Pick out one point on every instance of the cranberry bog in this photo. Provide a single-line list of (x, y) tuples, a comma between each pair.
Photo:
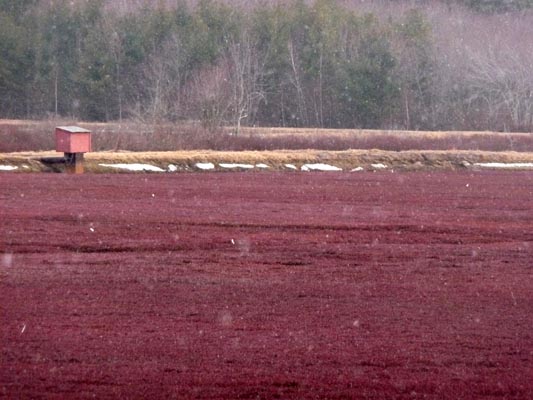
[(267, 285)]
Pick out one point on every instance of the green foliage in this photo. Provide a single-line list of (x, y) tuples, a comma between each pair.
[(320, 64), (16, 60), (311, 63), (96, 80), (415, 68), (56, 57), (215, 25), (325, 66), (367, 84)]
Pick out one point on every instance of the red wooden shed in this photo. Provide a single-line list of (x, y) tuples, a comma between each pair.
[(74, 142), (73, 139)]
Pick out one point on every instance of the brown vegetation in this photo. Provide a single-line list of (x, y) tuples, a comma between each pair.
[(25, 143), (17, 136), (276, 160)]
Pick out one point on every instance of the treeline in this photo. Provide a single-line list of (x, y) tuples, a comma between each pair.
[(314, 64)]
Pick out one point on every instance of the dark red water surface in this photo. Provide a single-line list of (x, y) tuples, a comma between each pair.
[(266, 285)]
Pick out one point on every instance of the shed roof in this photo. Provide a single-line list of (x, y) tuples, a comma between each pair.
[(73, 129)]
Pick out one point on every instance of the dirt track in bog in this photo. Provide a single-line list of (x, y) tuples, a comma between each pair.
[(262, 285)]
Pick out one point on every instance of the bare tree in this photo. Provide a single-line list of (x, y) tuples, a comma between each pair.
[(483, 80), (502, 82), (247, 72), (296, 81), (208, 95), (162, 80)]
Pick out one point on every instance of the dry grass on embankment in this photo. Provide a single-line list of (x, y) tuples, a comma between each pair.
[(156, 145), (276, 160), (16, 136)]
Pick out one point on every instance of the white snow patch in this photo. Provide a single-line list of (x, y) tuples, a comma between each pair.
[(504, 165), (172, 168), (357, 169), (263, 166), (245, 166), (134, 167), (8, 168), (320, 167), (379, 166), (205, 166), (291, 166)]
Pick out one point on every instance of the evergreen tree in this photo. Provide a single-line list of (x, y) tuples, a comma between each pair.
[(16, 58)]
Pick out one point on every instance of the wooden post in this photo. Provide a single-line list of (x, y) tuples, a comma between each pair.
[(74, 163)]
